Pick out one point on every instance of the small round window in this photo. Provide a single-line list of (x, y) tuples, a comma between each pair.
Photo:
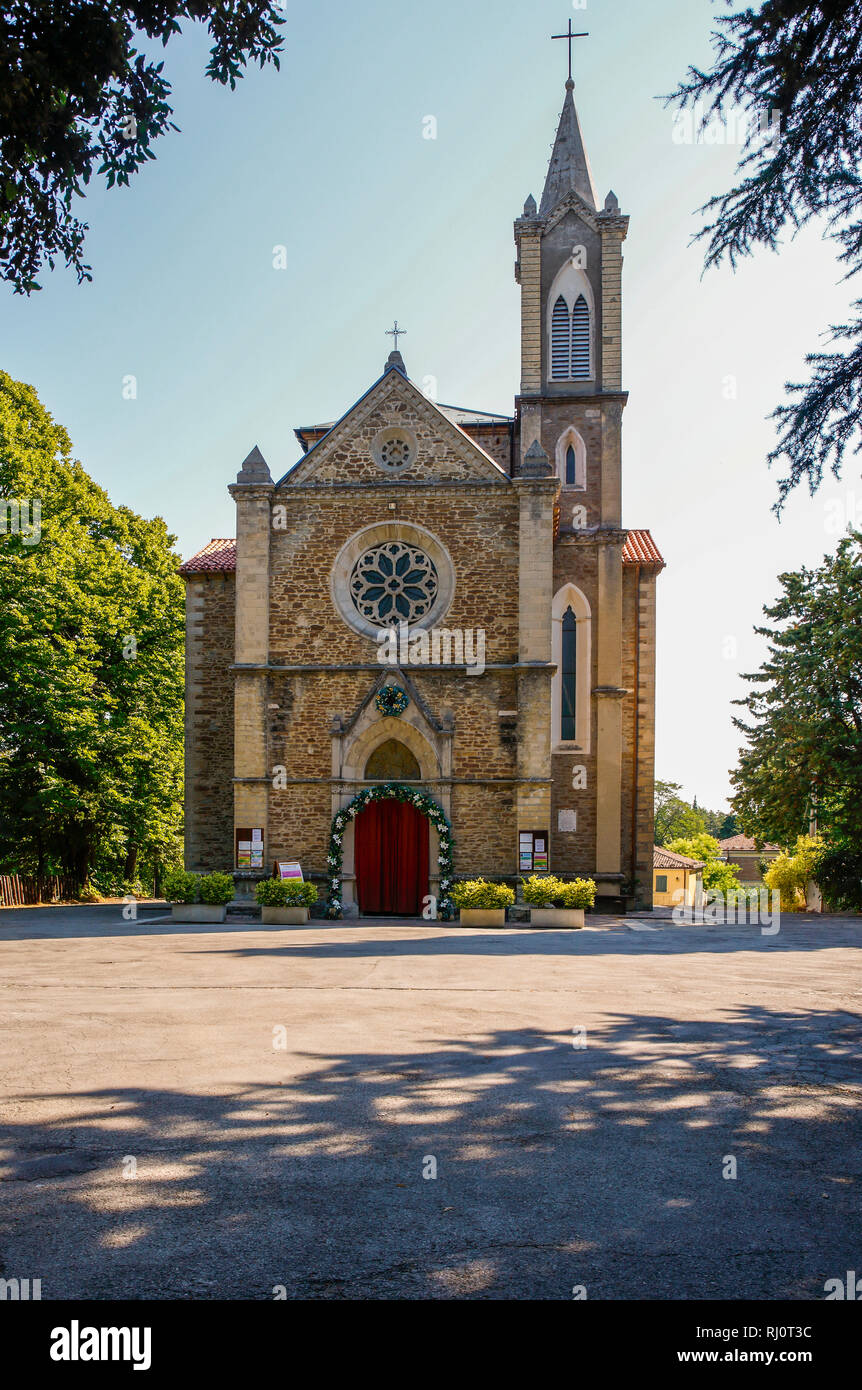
[(394, 448)]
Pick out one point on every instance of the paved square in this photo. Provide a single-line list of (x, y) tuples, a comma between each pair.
[(280, 1095)]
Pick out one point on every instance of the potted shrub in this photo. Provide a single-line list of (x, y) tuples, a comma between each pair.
[(285, 902), (215, 892), (555, 903), (181, 891), (482, 904), (196, 898)]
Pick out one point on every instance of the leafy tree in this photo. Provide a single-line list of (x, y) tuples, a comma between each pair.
[(673, 815), (79, 95), (718, 876), (91, 664), (804, 724), (729, 827), (839, 876), (791, 874), (795, 65)]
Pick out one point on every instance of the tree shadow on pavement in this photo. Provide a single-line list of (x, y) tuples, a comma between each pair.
[(561, 1161)]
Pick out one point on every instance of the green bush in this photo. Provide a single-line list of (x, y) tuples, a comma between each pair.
[(791, 874), (579, 892), (179, 886), (217, 890), (839, 875), (544, 890), (477, 893), (285, 892)]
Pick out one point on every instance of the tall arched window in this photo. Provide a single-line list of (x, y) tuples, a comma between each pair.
[(569, 665), (572, 459), (571, 646)]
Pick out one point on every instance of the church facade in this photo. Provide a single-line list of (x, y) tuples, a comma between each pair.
[(441, 606)]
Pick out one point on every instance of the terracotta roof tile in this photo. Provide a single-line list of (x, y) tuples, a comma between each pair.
[(218, 556), (666, 859), (641, 549), (743, 844)]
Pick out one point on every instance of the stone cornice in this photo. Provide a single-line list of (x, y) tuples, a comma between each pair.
[(253, 490), (311, 667), (387, 484), (420, 782), (615, 222), (594, 535)]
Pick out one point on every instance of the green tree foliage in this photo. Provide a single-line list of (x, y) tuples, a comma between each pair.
[(91, 664), (717, 875), (728, 827), (791, 874), (839, 876), (78, 96), (798, 64), (804, 721), (675, 817)]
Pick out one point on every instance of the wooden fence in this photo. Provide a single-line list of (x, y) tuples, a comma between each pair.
[(16, 890)]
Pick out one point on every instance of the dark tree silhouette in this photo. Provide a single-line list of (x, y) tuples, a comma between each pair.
[(799, 64), (78, 95)]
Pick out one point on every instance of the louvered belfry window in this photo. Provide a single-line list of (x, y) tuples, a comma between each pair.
[(570, 341), (560, 341), (580, 340), (568, 709)]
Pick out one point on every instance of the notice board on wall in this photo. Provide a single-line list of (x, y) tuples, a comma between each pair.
[(533, 851), (249, 847)]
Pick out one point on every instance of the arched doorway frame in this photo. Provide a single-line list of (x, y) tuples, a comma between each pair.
[(342, 824)]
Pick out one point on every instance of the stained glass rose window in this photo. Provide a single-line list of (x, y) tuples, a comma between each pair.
[(393, 583)]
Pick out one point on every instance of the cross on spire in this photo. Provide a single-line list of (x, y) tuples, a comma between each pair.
[(570, 35), (395, 333)]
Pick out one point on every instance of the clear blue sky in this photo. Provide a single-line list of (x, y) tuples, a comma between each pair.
[(327, 158)]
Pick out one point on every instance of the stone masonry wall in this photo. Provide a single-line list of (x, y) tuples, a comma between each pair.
[(210, 603), (640, 864)]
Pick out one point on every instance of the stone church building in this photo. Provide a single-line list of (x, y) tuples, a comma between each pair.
[(475, 564)]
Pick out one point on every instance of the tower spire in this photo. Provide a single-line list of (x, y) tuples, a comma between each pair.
[(569, 169)]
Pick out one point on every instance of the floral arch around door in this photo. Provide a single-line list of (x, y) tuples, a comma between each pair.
[(391, 791)]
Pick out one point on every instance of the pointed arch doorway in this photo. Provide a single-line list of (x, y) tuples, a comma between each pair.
[(391, 845)]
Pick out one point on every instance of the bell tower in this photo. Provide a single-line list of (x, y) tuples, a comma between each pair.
[(569, 268), (569, 412)]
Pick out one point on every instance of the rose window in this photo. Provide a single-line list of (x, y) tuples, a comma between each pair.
[(393, 583), (395, 451)]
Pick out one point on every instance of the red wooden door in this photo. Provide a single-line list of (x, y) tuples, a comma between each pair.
[(391, 856)]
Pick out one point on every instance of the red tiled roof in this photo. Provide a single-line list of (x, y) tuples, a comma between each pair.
[(743, 844), (217, 556), (641, 549), (666, 859)]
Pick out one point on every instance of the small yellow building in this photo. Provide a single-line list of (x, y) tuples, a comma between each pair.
[(677, 880)]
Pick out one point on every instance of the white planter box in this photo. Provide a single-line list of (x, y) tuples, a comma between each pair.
[(483, 916), (556, 916), (284, 916), (197, 912)]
